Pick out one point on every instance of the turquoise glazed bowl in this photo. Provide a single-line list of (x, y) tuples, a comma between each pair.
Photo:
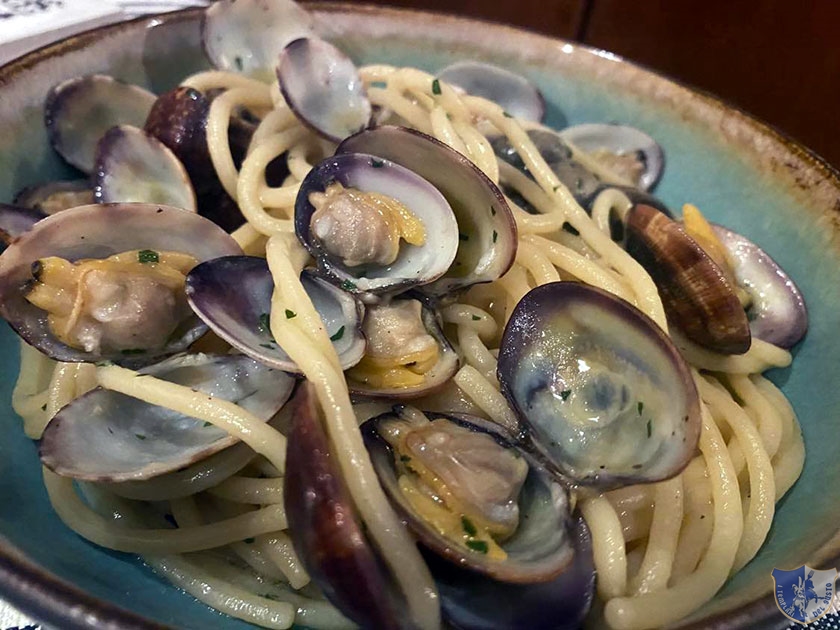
[(737, 170)]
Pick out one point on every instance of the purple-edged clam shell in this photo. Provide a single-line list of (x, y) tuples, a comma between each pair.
[(598, 387), (323, 88), (330, 536), (79, 111), (514, 93), (415, 264), (52, 197), (247, 36), (621, 140), (778, 313), (486, 229), (470, 600), (109, 436), (100, 231), (15, 220), (539, 550), (233, 296), (134, 166)]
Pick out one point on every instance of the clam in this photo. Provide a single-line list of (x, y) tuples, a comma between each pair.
[(233, 296), (53, 197), (108, 281), (109, 436), (694, 291), (407, 355), (513, 92), (598, 387), (323, 88), (80, 110), (626, 151), (15, 220), (247, 36), (486, 231), (330, 537), (777, 312), (374, 226), (134, 166)]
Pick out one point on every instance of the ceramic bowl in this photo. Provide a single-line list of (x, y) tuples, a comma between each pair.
[(737, 170)]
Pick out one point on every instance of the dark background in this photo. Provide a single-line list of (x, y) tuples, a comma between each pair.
[(778, 60)]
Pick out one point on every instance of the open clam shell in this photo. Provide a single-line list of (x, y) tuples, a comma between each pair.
[(414, 264), (514, 93), (233, 296), (109, 436), (95, 232), (628, 151), (247, 36), (486, 228), (696, 295), (539, 549), (330, 536), (778, 313), (323, 88), (53, 197), (15, 220), (79, 111), (134, 166), (598, 387)]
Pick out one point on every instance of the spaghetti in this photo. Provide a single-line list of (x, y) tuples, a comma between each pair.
[(660, 551)]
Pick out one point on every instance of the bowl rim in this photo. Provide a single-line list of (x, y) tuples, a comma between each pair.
[(56, 601)]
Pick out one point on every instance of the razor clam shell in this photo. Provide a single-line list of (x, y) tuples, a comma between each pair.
[(109, 436), (80, 110), (696, 295), (415, 264), (53, 197), (100, 231), (231, 294), (556, 336), (512, 92), (487, 230), (247, 36), (134, 166), (778, 314), (323, 88)]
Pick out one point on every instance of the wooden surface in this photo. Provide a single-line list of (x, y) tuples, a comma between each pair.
[(777, 60)]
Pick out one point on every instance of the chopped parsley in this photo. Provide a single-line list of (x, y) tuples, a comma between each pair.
[(476, 318), (237, 61), (640, 406), (463, 237), (290, 314), (208, 424), (377, 163), (44, 407), (436, 87), (338, 334), (249, 541), (265, 323), (405, 458), (469, 528), (492, 211), (649, 428), (147, 256), (478, 545), (495, 236), (140, 436), (379, 84), (565, 393), (507, 115), (347, 285), (130, 351)]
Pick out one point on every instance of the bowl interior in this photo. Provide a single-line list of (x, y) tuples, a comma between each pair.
[(737, 172)]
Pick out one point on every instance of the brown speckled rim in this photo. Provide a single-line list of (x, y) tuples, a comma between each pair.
[(61, 604)]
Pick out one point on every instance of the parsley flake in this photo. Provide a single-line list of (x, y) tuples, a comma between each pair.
[(208, 424), (348, 286), (44, 407), (469, 528), (290, 314), (507, 115), (565, 393), (463, 237), (478, 545), (492, 211), (377, 163), (140, 436), (640, 406), (148, 256), (379, 84), (495, 236), (338, 334), (249, 541), (476, 318), (436, 87), (265, 323), (649, 428)]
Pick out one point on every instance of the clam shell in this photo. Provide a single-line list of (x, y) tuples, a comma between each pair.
[(15, 220), (247, 36), (233, 294), (99, 231), (486, 228), (79, 111), (323, 88), (696, 296), (599, 389), (108, 436), (133, 166), (514, 93), (53, 197), (415, 264)]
